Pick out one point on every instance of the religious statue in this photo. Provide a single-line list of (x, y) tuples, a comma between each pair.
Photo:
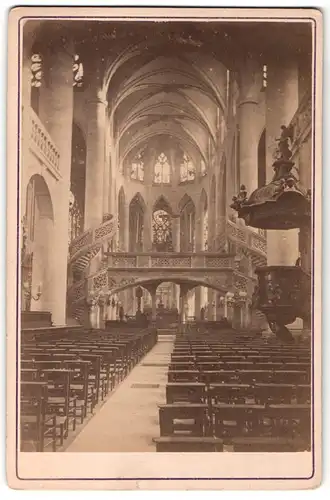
[(283, 151)]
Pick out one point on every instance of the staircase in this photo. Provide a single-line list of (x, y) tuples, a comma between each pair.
[(82, 251)]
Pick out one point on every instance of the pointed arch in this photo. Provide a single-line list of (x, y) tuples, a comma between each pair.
[(137, 209), (187, 224), (162, 204)]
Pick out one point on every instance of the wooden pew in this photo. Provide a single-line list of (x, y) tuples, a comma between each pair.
[(193, 392), (183, 444), (193, 417)]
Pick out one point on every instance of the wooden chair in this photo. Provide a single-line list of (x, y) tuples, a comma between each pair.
[(60, 400), (37, 429)]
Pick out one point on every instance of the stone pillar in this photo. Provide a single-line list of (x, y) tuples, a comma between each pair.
[(56, 113), (249, 117), (147, 229), (198, 302), (183, 303), (153, 305), (281, 105), (107, 182), (176, 232), (95, 161)]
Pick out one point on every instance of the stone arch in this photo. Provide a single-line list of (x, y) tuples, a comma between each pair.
[(187, 224), (162, 203), (37, 245), (137, 209)]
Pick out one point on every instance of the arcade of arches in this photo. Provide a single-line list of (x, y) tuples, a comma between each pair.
[(134, 143)]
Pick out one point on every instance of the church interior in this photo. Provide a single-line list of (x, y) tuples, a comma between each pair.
[(166, 232)]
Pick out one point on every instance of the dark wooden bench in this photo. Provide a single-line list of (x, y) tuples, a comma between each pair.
[(191, 419), (183, 444), (193, 392)]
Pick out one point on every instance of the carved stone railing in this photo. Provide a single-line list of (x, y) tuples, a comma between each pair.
[(93, 237), (41, 143), (301, 123), (173, 260), (245, 236)]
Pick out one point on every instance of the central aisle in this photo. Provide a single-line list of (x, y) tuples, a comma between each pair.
[(128, 421)]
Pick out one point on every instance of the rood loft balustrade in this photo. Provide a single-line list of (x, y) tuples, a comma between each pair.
[(283, 293), (40, 142)]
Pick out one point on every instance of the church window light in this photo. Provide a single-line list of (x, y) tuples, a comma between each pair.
[(162, 231), (162, 170), (187, 170), (78, 72), (137, 168)]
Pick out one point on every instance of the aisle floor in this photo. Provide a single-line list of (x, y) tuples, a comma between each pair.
[(128, 420)]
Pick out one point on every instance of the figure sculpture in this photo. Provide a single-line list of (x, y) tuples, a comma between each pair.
[(283, 150)]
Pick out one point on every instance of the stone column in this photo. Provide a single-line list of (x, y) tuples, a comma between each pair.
[(249, 118), (95, 161), (56, 113), (176, 232), (147, 230), (198, 302), (281, 105)]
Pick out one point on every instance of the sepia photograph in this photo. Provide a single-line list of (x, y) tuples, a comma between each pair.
[(165, 166)]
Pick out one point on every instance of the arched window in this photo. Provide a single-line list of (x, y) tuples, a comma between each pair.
[(162, 170), (187, 170), (78, 72), (162, 231), (137, 168)]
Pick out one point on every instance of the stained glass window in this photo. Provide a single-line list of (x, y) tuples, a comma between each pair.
[(187, 170), (78, 72), (137, 168), (162, 231), (162, 170)]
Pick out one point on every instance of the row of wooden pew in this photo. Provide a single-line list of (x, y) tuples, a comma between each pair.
[(63, 378), (236, 394)]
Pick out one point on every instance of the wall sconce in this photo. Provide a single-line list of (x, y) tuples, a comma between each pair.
[(29, 292)]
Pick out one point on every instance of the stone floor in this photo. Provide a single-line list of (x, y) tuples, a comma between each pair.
[(128, 420)]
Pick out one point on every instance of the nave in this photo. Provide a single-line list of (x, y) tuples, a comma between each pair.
[(136, 391)]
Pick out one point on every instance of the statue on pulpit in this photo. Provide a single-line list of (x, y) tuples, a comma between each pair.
[(283, 151)]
